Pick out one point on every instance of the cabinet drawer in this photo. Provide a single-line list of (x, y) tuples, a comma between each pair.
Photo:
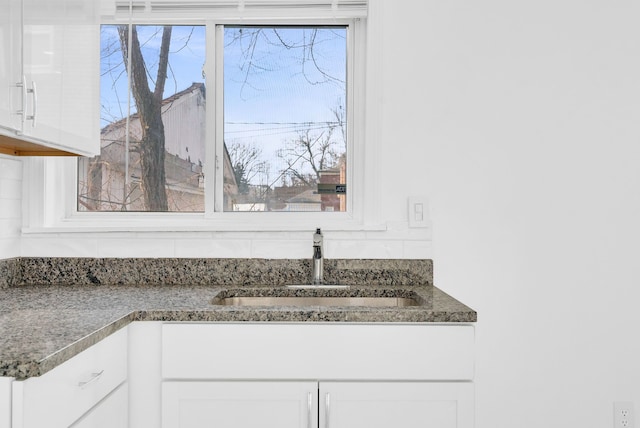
[(58, 398), (318, 351)]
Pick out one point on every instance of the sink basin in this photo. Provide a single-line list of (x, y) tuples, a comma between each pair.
[(317, 301), (343, 297)]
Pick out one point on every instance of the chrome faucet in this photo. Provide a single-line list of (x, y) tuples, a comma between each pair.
[(318, 256)]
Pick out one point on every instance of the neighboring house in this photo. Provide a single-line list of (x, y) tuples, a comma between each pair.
[(295, 198), (102, 178), (101, 184), (336, 176), (309, 198)]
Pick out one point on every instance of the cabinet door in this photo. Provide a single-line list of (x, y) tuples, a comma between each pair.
[(112, 412), (5, 402), (396, 404), (10, 64), (239, 404), (61, 67)]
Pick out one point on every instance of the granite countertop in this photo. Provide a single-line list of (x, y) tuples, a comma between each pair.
[(41, 326)]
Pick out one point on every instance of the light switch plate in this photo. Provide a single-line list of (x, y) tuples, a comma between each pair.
[(418, 211)]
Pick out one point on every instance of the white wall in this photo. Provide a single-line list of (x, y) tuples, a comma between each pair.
[(525, 120), (521, 122), (10, 206)]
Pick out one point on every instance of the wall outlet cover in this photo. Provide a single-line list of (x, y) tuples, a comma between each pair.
[(623, 416)]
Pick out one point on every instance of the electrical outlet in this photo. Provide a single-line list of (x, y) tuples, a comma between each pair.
[(623, 414)]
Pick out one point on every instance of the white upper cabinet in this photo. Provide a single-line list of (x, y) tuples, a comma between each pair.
[(11, 65), (56, 102), (61, 66)]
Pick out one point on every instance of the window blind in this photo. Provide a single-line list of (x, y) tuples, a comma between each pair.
[(234, 9)]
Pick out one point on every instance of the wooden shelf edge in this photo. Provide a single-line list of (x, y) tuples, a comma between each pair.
[(17, 147)]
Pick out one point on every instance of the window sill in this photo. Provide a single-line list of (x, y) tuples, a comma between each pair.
[(181, 222)]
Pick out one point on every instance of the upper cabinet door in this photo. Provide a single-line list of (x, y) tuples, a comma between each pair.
[(61, 68), (11, 65)]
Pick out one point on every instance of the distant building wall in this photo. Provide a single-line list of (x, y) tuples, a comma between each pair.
[(102, 179)]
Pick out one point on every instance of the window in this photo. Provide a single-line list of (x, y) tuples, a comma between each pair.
[(152, 124), (285, 128), (284, 140), (220, 164)]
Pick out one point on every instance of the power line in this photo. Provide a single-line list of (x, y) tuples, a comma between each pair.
[(284, 123), (281, 130)]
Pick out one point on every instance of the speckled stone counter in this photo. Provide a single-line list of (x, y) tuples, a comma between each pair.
[(168, 271), (42, 326)]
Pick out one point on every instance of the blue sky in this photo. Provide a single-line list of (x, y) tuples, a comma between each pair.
[(186, 59), (273, 92)]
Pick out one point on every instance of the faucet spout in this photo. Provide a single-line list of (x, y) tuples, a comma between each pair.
[(318, 256)]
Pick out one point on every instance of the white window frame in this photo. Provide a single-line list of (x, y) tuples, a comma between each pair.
[(50, 185)]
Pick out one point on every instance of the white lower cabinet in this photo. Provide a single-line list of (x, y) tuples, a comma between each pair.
[(62, 396), (396, 404), (317, 375), (112, 412), (240, 404), (5, 401), (272, 404), (245, 375), (294, 351)]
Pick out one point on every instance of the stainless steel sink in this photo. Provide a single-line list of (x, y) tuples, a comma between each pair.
[(343, 297), (316, 301)]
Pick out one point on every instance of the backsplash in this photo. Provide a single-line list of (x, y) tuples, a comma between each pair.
[(396, 241), (9, 272), (171, 271), (10, 207)]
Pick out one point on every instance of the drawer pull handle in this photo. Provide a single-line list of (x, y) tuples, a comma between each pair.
[(34, 114), (94, 378), (309, 409), (327, 410), (23, 110)]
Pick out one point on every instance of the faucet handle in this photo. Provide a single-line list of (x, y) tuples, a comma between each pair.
[(317, 237)]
